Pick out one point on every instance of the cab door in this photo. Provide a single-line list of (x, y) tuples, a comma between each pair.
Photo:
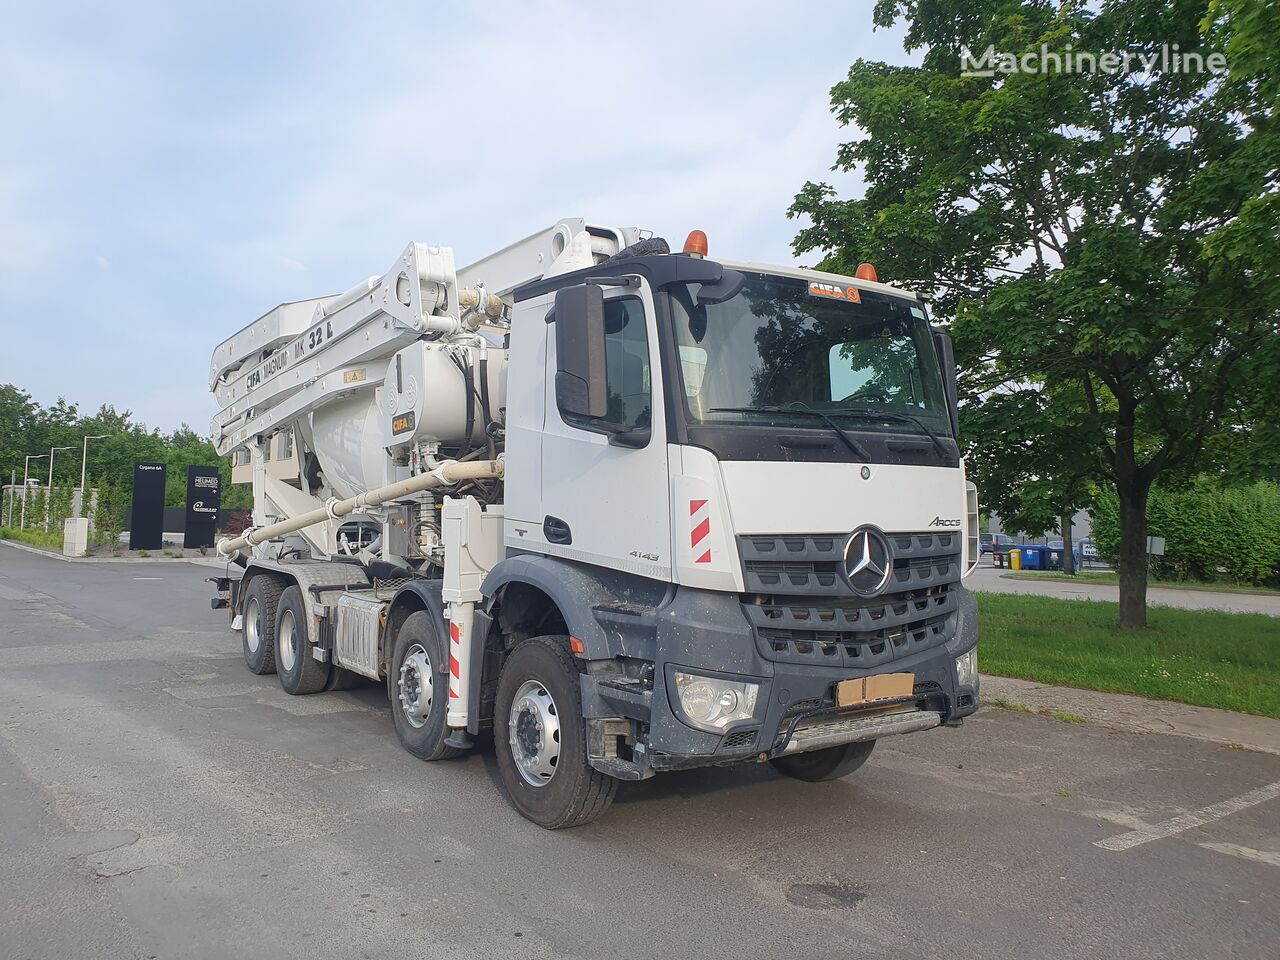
[(605, 490)]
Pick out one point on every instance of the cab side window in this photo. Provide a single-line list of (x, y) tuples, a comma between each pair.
[(628, 375)]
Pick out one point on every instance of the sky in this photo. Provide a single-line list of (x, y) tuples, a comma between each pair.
[(169, 172)]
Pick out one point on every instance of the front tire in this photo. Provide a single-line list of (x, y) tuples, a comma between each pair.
[(540, 738), (300, 672), (258, 629), (829, 764), (419, 688)]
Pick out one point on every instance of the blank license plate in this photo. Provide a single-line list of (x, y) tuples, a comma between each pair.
[(884, 686)]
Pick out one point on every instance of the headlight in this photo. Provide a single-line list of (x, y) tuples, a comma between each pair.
[(711, 704), (967, 668)]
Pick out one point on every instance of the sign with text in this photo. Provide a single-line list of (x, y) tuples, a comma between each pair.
[(146, 525), (204, 498)]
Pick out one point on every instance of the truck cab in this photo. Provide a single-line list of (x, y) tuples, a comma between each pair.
[(760, 465)]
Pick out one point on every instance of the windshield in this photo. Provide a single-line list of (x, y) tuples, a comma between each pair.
[(794, 348)]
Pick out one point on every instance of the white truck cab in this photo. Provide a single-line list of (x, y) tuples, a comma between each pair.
[(637, 511)]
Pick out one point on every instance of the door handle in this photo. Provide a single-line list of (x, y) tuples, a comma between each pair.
[(556, 530)]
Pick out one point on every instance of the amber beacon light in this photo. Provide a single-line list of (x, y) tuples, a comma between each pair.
[(867, 271), (696, 244)]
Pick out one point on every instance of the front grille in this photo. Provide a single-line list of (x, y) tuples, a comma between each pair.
[(804, 611), (810, 565)]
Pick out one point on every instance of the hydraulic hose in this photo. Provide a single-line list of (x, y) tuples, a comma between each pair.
[(446, 474)]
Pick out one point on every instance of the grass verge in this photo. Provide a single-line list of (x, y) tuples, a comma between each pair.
[(37, 538), (1113, 579), (1210, 659)]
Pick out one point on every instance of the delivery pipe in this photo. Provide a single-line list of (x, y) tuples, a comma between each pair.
[(444, 475)]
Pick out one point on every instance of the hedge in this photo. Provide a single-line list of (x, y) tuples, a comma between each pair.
[(1212, 534)]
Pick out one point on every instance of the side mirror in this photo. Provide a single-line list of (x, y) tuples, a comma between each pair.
[(726, 288), (947, 358), (581, 389)]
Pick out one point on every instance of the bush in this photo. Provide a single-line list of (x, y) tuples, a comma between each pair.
[(1212, 534), (34, 536)]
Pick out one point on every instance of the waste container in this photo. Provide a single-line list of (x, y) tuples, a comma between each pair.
[(997, 559), (1015, 559), (1034, 557)]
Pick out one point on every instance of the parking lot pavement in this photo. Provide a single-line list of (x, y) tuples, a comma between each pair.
[(159, 801), (989, 579)]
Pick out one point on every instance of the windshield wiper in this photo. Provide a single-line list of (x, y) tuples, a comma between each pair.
[(799, 407), (894, 417)]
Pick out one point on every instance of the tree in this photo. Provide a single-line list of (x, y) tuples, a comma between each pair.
[(1092, 235), (28, 428), (1025, 461), (17, 422)]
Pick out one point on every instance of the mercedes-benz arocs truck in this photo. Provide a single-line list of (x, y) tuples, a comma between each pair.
[(626, 510)]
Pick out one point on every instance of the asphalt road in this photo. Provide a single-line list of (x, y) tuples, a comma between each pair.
[(159, 801), (989, 579)]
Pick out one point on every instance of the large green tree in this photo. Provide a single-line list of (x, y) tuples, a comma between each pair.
[(1093, 236)]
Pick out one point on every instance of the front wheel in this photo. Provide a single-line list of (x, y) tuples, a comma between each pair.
[(539, 735), (829, 764)]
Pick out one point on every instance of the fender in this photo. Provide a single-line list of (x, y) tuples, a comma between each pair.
[(412, 595), (306, 574), (613, 613)]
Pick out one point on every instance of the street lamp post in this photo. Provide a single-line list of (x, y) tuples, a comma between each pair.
[(26, 470), (84, 457), (48, 494)]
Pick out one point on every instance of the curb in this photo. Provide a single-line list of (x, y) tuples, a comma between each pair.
[(27, 548), (1130, 714)]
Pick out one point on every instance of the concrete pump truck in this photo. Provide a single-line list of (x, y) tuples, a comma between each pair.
[(627, 510)]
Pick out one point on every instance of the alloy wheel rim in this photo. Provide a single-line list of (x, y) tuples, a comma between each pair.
[(417, 686), (288, 641), (253, 625), (533, 733)]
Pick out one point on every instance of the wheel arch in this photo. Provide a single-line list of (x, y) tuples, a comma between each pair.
[(414, 596), (303, 575), (531, 596)]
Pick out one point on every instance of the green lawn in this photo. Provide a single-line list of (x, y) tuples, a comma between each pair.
[(1226, 660), (1097, 576)]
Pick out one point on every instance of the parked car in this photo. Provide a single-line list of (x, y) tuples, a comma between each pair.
[(994, 542)]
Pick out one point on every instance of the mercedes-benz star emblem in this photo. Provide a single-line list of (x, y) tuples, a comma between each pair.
[(868, 561)]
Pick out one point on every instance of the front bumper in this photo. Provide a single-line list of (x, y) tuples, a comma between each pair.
[(708, 633)]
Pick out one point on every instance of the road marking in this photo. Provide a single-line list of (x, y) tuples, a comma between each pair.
[(1189, 821), (1244, 853), (148, 578)]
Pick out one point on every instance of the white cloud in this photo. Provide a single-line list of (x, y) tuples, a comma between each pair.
[(218, 160)]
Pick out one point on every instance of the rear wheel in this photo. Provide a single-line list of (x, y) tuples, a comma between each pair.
[(300, 671), (538, 731), (829, 764), (258, 629), (419, 688)]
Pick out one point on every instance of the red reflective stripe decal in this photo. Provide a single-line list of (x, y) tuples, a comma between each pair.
[(700, 517)]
